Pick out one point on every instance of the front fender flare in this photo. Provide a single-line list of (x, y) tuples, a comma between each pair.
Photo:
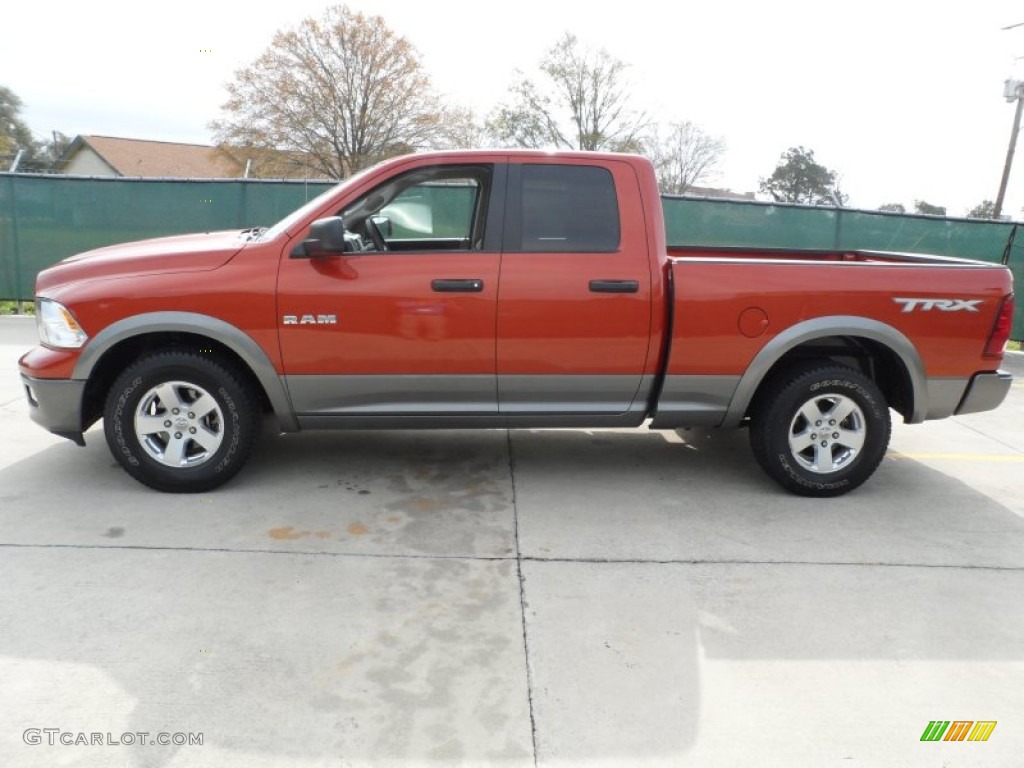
[(229, 335)]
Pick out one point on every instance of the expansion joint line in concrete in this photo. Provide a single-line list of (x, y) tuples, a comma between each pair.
[(977, 431), (519, 559), (522, 594), (508, 558)]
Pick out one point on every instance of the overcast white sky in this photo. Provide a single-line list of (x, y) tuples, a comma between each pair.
[(902, 97)]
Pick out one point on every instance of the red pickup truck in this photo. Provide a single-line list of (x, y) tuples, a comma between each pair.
[(506, 289)]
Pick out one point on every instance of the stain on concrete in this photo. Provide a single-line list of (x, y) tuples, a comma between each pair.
[(113, 533), (413, 668), (425, 505), (286, 532), (350, 486), (357, 529), (452, 496)]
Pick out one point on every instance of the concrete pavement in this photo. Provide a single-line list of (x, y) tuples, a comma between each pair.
[(552, 598)]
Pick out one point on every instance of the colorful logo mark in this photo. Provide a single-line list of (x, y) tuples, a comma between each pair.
[(958, 730)]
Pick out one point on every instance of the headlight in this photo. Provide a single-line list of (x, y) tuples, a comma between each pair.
[(57, 326)]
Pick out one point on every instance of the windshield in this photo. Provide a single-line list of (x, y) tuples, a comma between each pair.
[(297, 215), (293, 218)]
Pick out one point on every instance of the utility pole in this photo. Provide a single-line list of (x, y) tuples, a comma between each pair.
[(1014, 92)]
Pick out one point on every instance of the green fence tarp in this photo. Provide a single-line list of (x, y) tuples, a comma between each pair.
[(44, 219), (692, 221)]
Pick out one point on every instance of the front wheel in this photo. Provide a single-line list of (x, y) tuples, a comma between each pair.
[(180, 422), (822, 432)]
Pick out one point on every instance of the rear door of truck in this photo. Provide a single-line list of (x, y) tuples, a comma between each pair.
[(574, 297)]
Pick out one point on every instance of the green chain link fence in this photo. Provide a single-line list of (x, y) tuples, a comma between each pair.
[(43, 219)]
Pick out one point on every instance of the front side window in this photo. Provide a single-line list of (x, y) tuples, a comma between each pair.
[(568, 208), (436, 208)]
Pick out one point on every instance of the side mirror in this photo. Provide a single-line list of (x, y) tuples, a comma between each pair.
[(326, 238)]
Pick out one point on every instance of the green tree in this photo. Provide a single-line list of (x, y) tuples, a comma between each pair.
[(338, 93), (686, 156), (581, 102), (893, 208), (932, 210), (16, 136), (14, 133), (984, 210), (799, 178)]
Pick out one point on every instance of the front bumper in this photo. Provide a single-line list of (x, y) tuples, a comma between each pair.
[(985, 392), (56, 404)]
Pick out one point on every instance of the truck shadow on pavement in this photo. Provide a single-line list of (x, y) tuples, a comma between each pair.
[(356, 597)]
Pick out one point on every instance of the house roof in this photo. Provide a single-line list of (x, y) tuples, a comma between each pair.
[(139, 157)]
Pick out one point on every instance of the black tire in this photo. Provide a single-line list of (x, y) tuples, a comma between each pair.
[(163, 442), (811, 456)]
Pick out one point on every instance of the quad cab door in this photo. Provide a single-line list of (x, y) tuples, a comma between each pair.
[(402, 324), (574, 308)]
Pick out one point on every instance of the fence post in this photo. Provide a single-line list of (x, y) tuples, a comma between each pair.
[(1009, 245), (16, 245), (243, 205)]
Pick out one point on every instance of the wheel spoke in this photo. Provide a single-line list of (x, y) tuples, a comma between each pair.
[(843, 408), (203, 406), (811, 412), (823, 458), (801, 442), (149, 425), (168, 395), (207, 439), (851, 438), (174, 452)]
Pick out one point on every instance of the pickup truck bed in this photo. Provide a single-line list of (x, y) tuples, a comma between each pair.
[(735, 309)]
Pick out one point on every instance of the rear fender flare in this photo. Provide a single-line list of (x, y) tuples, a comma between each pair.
[(822, 327)]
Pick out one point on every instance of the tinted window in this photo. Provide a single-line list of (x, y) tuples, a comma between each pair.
[(568, 208), (430, 208), (435, 209)]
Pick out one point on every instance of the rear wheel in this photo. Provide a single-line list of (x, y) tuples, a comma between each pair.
[(821, 431), (180, 422)]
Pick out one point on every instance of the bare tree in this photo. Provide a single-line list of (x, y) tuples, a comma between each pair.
[(685, 157), (343, 91), (582, 102), (458, 129)]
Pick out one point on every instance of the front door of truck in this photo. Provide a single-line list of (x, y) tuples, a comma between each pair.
[(402, 326), (574, 308)]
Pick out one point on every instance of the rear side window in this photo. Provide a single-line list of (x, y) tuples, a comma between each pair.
[(568, 209)]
